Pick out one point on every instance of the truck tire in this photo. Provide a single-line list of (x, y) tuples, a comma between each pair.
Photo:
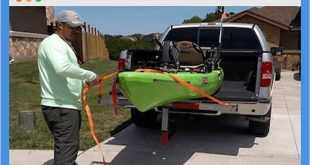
[(143, 119), (277, 67), (258, 128), (278, 75)]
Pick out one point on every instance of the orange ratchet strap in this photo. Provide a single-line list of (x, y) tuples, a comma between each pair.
[(89, 115), (114, 97), (187, 85), (114, 93), (195, 89)]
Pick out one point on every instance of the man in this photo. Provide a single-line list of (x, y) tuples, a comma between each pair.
[(61, 81)]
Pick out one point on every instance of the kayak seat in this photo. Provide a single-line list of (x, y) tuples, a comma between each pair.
[(188, 55)]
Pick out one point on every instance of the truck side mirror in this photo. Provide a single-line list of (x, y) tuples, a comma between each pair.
[(156, 36), (276, 51)]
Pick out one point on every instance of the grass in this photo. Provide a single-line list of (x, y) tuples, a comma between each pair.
[(25, 96)]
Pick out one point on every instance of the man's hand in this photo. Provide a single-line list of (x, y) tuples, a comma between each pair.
[(95, 82)]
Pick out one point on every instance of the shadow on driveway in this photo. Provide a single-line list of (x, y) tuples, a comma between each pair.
[(49, 162), (213, 135)]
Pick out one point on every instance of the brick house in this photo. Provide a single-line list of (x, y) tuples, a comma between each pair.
[(281, 26), (28, 27)]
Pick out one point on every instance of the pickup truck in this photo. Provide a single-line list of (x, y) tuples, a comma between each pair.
[(249, 73)]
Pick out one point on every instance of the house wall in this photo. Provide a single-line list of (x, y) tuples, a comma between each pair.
[(279, 38), (290, 61), (30, 25), (290, 40), (24, 45), (28, 19), (271, 32)]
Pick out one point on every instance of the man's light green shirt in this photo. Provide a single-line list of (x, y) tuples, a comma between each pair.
[(61, 77)]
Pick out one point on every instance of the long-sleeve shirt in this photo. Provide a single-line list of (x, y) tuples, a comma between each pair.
[(61, 77)]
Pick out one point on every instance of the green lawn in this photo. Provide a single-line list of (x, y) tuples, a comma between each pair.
[(25, 96)]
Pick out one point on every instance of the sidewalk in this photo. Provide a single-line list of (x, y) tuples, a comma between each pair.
[(32, 157)]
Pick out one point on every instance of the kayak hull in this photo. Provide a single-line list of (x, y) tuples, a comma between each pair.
[(147, 90)]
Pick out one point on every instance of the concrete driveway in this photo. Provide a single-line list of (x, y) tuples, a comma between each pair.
[(216, 141)]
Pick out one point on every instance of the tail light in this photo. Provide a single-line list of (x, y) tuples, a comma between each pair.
[(266, 74), (186, 106), (121, 64)]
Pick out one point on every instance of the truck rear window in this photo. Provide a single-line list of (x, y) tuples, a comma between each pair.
[(240, 38), (209, 37), (233, 38), (182, 34)]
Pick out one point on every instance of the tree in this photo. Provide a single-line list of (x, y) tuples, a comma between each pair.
[(194, 19), (115, 45), (210, 17), (216, 15)]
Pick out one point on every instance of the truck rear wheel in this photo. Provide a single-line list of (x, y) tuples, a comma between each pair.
[(143, 119), (278, 75), (259, 128)]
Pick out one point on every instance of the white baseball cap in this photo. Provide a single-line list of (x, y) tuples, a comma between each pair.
[(69, 17)]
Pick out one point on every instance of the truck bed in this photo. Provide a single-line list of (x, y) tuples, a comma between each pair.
[(235, 91), (239, 72)]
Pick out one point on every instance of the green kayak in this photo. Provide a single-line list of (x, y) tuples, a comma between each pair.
[(147, 90)]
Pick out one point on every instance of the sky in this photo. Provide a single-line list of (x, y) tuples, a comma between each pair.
[(141, 19)]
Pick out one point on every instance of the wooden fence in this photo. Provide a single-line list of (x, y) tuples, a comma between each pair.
[(89, 44), (93, 44)]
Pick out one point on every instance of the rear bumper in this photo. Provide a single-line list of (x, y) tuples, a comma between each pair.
[(211, 109), (237, 108)]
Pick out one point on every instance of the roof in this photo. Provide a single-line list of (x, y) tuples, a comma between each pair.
[(281, 16)]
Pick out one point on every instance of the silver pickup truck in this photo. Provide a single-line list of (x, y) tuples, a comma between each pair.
[(246, 59)]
